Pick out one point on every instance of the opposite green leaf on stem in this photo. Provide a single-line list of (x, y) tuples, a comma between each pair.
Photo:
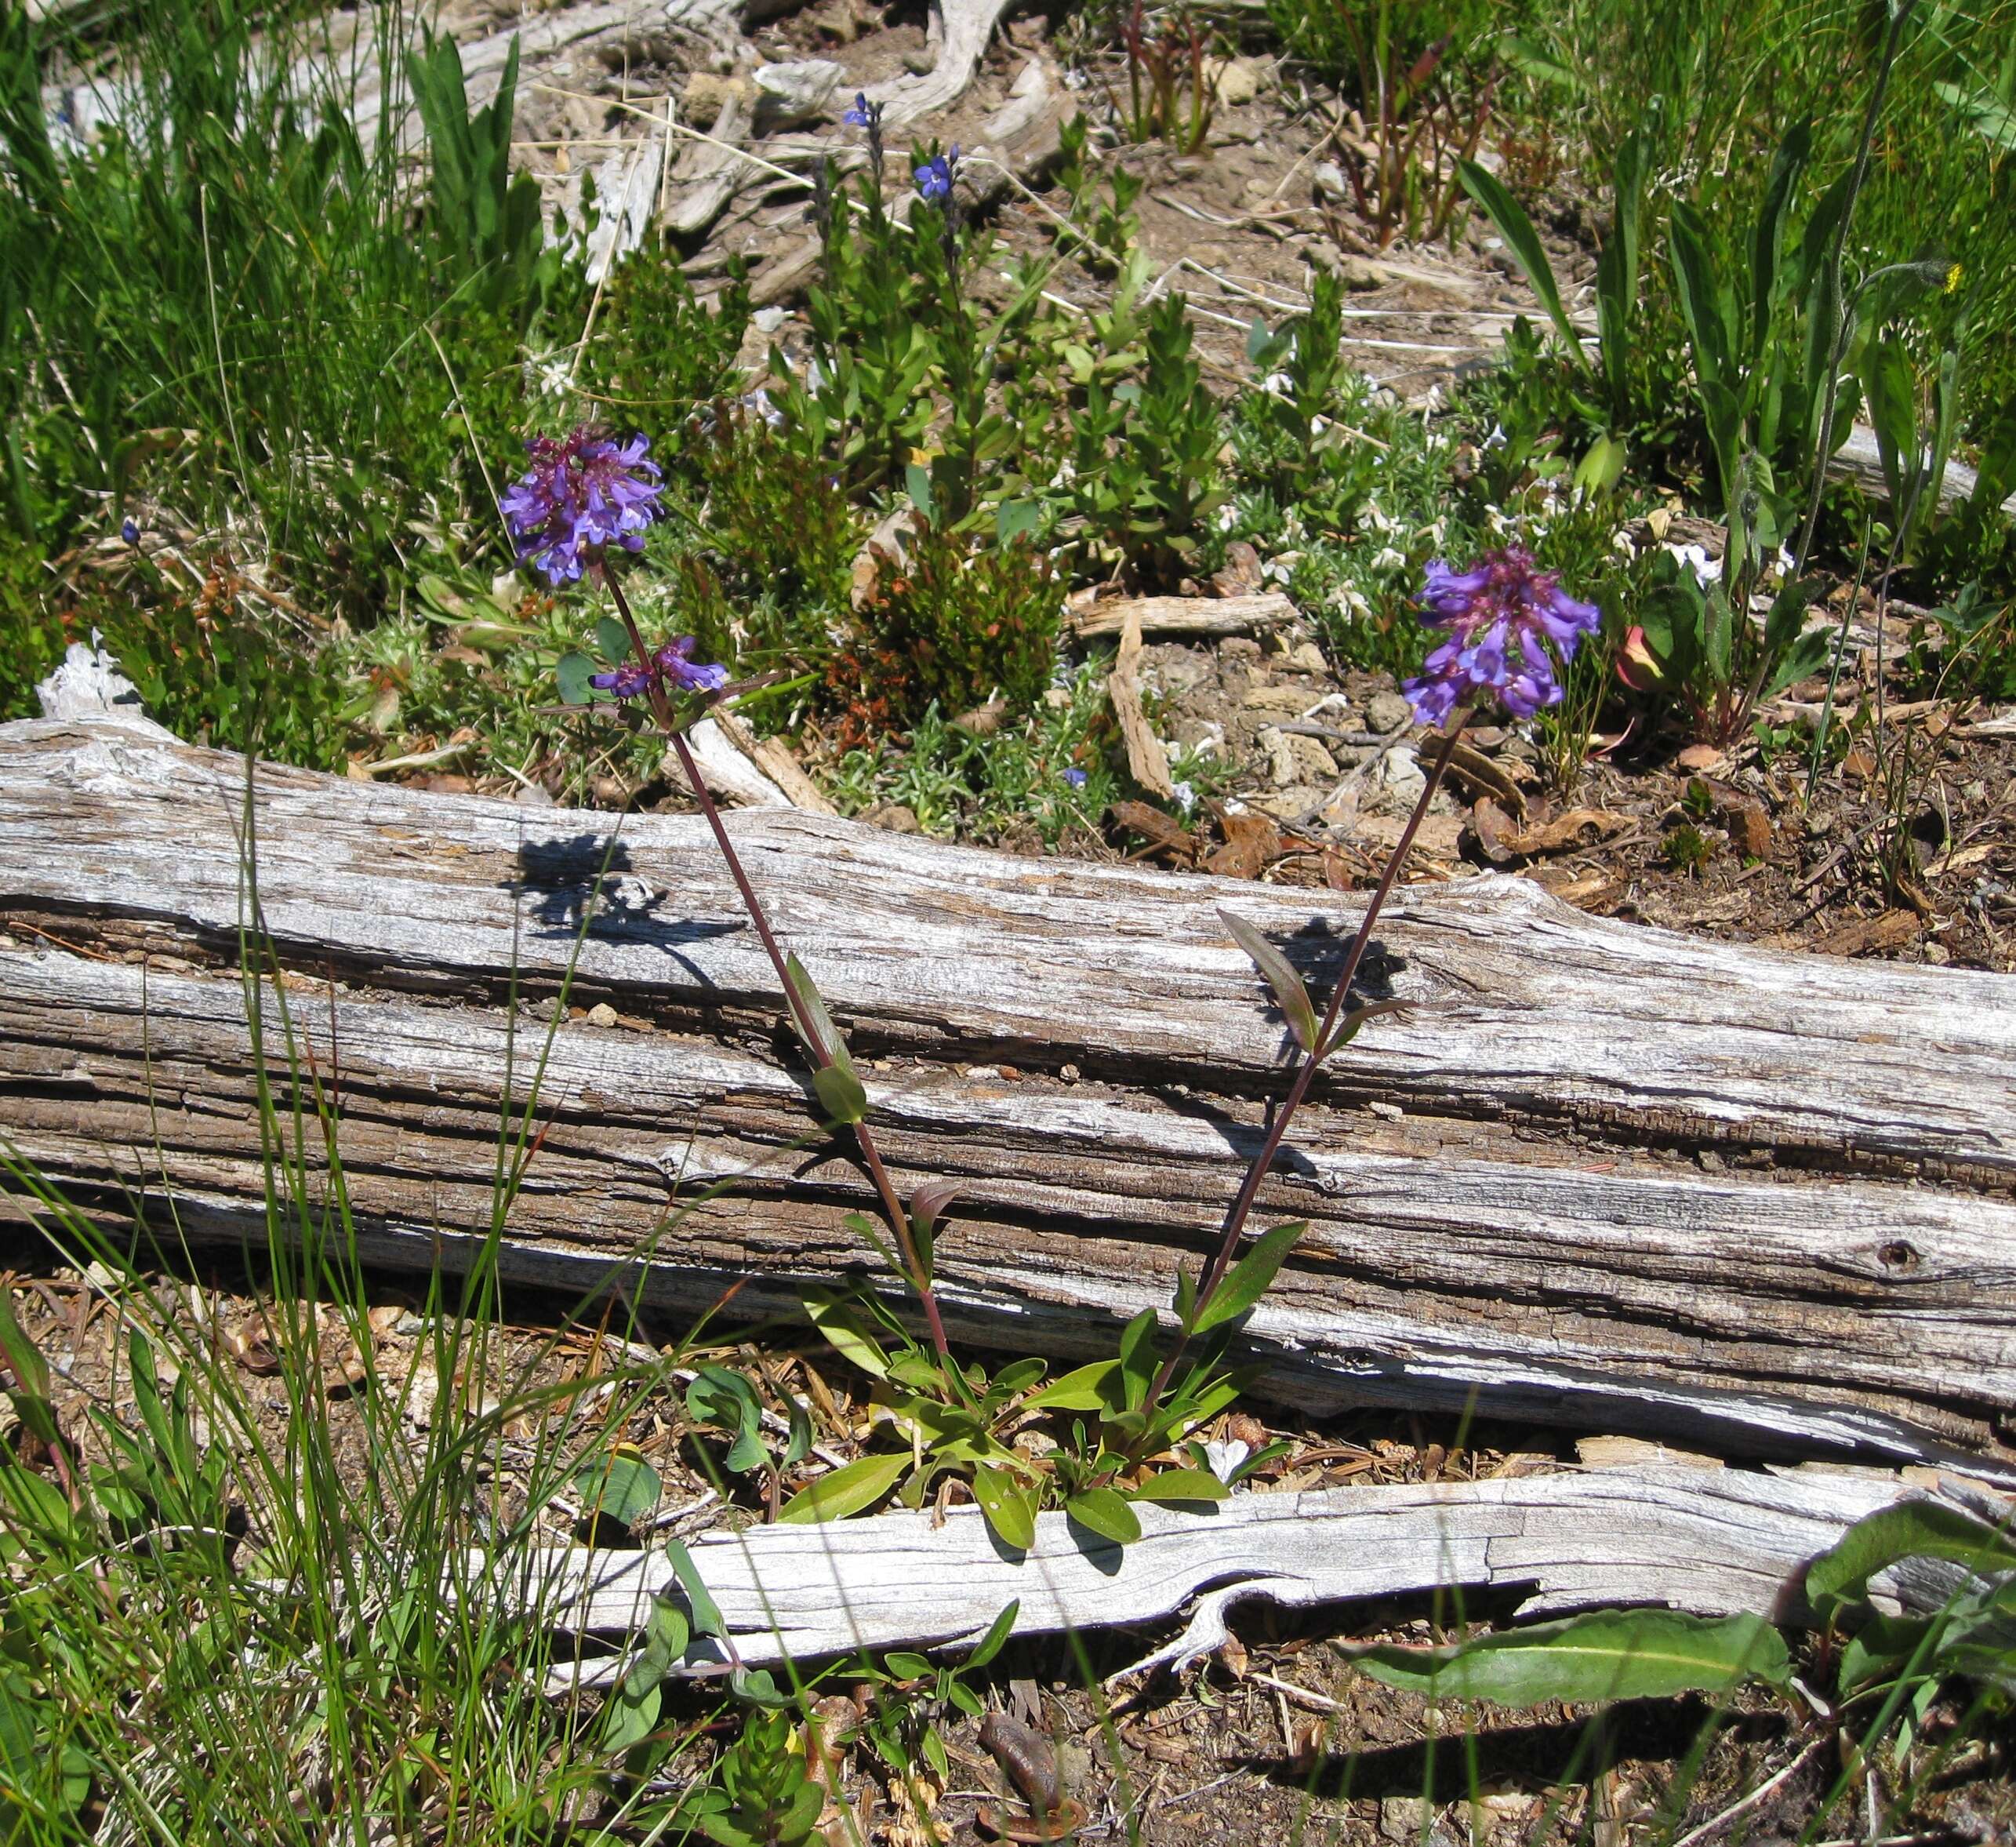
[(1605, 1655)]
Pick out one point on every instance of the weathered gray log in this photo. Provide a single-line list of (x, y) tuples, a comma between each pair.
[(1711, 1542), (1506, 1187)]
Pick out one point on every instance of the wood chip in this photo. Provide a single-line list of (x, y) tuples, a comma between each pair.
[(1188, 618), (1252, 844), (1146, 761), (1162, 832)]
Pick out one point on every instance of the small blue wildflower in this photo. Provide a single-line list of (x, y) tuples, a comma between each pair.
[(1500, 615), (625, 682), (584, 493), (933, 176), (1076, 778), (863, 114), (129, 531)]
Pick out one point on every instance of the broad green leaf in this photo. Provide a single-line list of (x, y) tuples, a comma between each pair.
[(1177, 1485), (719, 1397), (613, 639), (1801, 661), (799, 1444), (1105, 1512), (917, 479), (1014, 519), (965, 1699), (1093, 1387), (840, 1094), (998, 1631), (1010, 1509), (1516, 229), (1248, 1279), (665, 1635), (1700, 296), (1137, 1357), (619, 1486), (1602, 468), (1017, 1376), (1767, 236), (1909, 1529), (824, 1038), (907, 1666), (573, 674), (847, 1490), (1605, 1655), (1879, 1649), (1717, 633), (1289, 994), (628, 1717), (706, 1613), (1617, 275), (844, 1333), (1886, 385)]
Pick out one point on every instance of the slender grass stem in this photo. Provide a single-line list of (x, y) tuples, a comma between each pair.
[(661, 707)]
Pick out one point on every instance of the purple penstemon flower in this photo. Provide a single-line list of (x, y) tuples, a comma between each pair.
[(934, 177), (584, 493), (672, 667), (1501, 615)]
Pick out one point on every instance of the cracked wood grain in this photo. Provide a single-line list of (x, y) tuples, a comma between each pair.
[(1523, 1218)]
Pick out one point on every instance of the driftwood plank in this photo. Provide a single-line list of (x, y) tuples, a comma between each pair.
[(1601, 1174), (1712, 1542)]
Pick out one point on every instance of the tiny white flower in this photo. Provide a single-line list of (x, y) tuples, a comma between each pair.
[(1389, 560), (1225, 1457), (1706, 570), (1186, 797), (1498, 439)]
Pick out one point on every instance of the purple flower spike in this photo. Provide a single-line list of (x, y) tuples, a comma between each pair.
[(584, 494), (933, 176), (1500, 615)]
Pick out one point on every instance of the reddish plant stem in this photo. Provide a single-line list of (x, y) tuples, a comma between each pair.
[(661, 709), (1249, 1191)]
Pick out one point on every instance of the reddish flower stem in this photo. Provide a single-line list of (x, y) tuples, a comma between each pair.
[(1249, 1191), (661, 709)]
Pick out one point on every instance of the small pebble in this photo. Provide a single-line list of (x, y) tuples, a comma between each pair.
[(601, 1014)]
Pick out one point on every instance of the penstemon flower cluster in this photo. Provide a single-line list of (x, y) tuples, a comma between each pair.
[(1500, 616), (584, 493)]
